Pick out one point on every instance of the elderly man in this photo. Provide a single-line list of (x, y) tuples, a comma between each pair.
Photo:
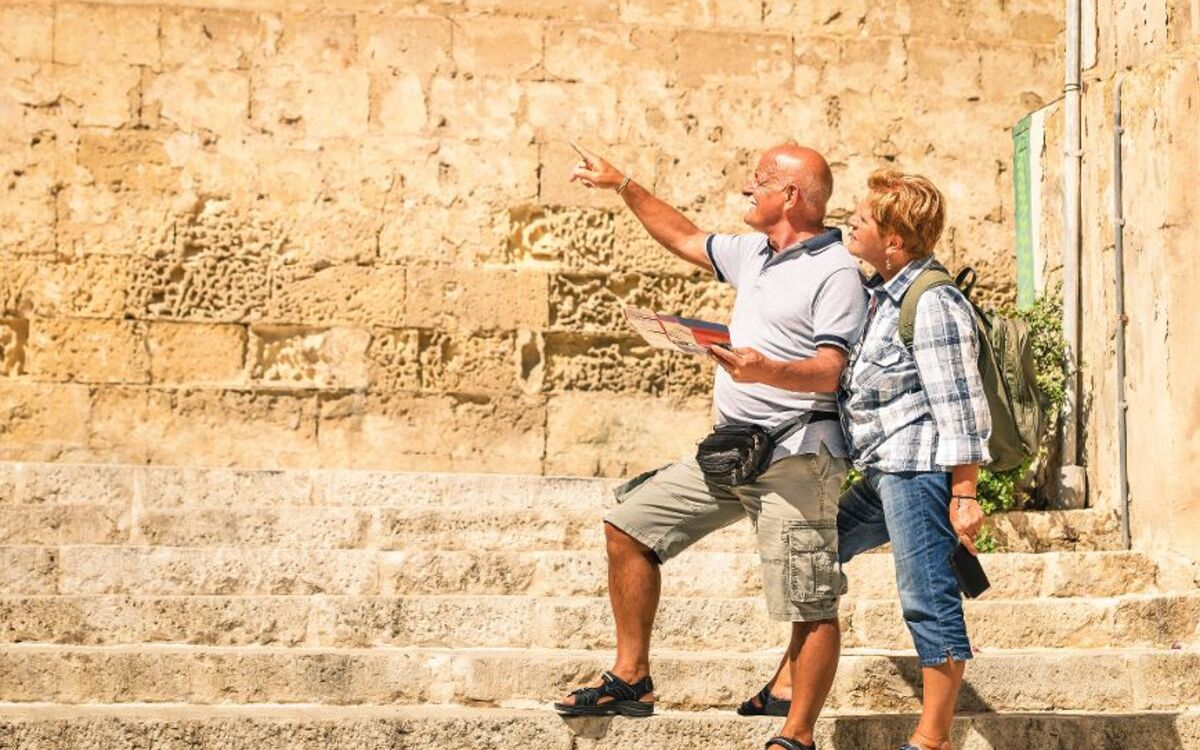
[(800, 306)]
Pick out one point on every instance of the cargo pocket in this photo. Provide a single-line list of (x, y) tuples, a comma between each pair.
[(624, 489), (813, 571)]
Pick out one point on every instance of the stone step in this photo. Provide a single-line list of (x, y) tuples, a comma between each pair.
[(1117, 681), (115, 569), (518, 509), (425, 727), (684, 623)]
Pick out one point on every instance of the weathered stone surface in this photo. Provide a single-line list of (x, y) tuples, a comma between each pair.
[(195, 100), (596, 302), (592, 435), (338, 295), (473, 433), (746, 59), (88, 351), (294, 357), (27, 31), (623, 364), (51, 525), (601, 54), (43, 421), (86, 34), (325, 528), (13, 337), (498, 47), (28, 570), (292, 102), (186, 353), (416, 45), (209, 38), (476, 300)]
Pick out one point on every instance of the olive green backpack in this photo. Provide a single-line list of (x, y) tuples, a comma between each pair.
[(1006, 366)]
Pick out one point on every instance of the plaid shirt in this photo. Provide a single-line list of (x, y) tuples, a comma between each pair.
[(923, 410)]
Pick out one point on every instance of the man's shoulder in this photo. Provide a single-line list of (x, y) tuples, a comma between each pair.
[(742, 241), (834, 257)]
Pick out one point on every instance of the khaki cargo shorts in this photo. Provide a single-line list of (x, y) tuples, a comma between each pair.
[(793, 507)]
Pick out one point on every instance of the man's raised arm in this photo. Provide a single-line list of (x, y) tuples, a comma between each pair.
[(665, 224)]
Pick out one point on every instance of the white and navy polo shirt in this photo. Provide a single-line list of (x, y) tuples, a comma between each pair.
[(788, 303)]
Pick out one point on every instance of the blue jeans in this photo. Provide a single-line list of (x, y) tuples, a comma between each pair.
[(912, 510)]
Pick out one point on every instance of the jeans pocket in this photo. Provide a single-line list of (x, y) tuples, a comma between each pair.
[(813, 571)]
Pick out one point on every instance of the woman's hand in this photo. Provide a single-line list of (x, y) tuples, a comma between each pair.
[(967, 518), (594, 171)]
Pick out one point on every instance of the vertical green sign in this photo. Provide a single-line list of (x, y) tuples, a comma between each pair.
[(1024, 216)]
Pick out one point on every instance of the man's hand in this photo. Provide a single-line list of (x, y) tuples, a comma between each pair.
[(966, 517), (743, 364), (593, 171)]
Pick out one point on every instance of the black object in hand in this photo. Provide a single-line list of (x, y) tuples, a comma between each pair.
[(969, 572)]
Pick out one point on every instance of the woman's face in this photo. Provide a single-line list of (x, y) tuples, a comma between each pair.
[(865, 240)]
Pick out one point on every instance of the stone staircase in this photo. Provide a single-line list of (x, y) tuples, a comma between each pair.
[(157, 607)]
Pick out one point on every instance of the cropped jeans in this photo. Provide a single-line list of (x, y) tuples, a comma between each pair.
[(912, 511)]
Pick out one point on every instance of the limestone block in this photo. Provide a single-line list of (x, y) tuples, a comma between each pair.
[(76, 484), (485, 108), (591, 434), (479, 527), (85, 34), (209, 621), (315, 104), (952, 69), (854, 18), (394, 360), (176, 487), (27, 214), (572, 238), (623, 364), (290, 356), (1021, 75), (94, 286), (133, 160), (576, 110), (497, 47), (209, 39), (195, 99), (749, 120), (101, 94), (762, 60), (959, 19), (601, 54), (88, 351), (418, 230), (557, 158), (291, 528), (506, 621), (398, 104), (653, 115), (693, 13), (469, 363), (708, 174), (226, 427), (315, 41), (420, 46), (211, 264), (593, 302), (209, 571), (637, 252), (28, 570), (338, 295), (476, 299), (184, 353), (573, 10), (64, 524), (14, 334), (433, 432), (27, 31)]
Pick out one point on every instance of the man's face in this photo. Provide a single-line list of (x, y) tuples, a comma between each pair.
[(767, 194), (865, 241)]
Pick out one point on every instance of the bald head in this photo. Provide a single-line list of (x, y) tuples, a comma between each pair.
[(807, 170)]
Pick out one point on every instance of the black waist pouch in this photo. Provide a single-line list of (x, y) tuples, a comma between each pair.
[(735, 454)]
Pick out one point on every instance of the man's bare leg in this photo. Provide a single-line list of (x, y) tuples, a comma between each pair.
[(942, 684), (813, 657), (634, 586)]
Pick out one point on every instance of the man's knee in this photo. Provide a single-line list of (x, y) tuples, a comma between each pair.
[(622, 546)]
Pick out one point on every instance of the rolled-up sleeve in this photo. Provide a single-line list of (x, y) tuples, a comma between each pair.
[(945, 347)]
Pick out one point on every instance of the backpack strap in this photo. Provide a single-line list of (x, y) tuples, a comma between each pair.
[(931, 277)]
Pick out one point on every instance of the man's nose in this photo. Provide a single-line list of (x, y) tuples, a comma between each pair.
[(747, 191)]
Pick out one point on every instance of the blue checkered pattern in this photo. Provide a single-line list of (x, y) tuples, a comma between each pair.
[(923, 410)]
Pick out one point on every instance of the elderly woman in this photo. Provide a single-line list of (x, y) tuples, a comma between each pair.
[(918, 424)]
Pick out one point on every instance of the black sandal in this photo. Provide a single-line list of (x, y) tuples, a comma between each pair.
[(769, 705), (787, 743), (626, 698)]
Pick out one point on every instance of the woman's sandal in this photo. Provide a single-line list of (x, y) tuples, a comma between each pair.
[(768, 705), (626, 698), (787, 743)]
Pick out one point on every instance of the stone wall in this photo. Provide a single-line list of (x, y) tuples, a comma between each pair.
[(1153, 49), (339, 233)]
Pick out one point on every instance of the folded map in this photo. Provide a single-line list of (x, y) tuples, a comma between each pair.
[(685, 335)]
